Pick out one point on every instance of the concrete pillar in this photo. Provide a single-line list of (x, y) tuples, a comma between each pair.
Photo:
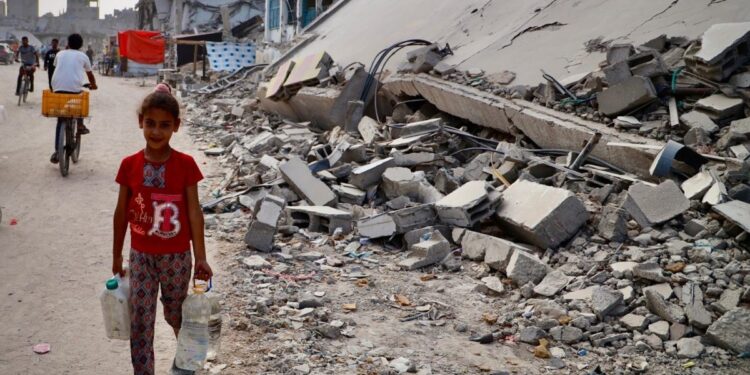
[(266, 29), (226, 24)]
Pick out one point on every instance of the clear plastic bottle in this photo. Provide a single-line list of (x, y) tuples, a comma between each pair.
[(116, 308), (214, 326), (192, 342)]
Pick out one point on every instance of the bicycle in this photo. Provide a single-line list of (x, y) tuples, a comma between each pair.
[(25, 83), (68, 109)]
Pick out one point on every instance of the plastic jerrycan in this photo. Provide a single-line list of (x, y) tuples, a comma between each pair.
[(116, 308), (192, 342), (214, 325)]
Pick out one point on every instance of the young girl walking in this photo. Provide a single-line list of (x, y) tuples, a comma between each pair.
[(159, 200)]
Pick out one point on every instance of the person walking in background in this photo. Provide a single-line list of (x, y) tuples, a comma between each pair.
[(90, 54), (49, 60)]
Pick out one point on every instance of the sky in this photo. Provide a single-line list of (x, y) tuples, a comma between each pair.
[(107, 6)]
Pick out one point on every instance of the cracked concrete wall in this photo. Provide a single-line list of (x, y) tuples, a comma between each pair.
[(545, 127), (523, 36)]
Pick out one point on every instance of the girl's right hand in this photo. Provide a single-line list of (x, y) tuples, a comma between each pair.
[(117, 268)]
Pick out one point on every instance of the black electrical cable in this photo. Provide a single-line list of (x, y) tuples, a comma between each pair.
[(378, 60)]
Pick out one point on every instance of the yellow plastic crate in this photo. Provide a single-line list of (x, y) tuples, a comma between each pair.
[(65, 105)]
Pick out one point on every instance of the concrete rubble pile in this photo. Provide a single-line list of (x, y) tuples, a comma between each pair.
[(632, 273)]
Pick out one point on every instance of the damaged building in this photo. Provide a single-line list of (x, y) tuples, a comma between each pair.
[(529, 186)]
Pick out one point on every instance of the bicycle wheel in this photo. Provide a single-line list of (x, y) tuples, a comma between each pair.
[(21, 91), (62, 149), (77, 148), (26, 84)]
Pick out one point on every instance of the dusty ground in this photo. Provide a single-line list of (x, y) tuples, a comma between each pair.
[(55, 260)]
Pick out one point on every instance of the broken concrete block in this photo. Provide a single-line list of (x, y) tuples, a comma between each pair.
[(664, 290), (629, 94), (666, 310), (649, 271), (647, 64), (618, 53), (256, 262), (423, 234), (720, 106), (541, 215), (689, 347), (604, 301), (617, 73), (398, 182), (376, 226), (696, 137), (741, 152), (261, 143), (650, 205), (732, 330), (296, 173), (417, 128), (694, 187), (613, 224), (660, 328), (698, 119), (262, 229), (368, 129), (426, 253), (524, 267), (368, 175), (723, 49), (350, 194), (495, 252), (738, 212), (552, 283), (730, 139), (729, 299), (410, 218), (741, 126), (320, 218), (697, 315), (492, 284), (634, 321), (468, 205)]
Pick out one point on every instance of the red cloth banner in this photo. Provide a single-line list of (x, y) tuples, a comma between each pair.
[(142, 46)]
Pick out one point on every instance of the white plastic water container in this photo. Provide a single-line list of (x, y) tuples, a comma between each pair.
[(192, 342), (214, 326), (116, 308)]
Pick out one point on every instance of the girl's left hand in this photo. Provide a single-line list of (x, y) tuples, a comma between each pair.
[(203, 270)]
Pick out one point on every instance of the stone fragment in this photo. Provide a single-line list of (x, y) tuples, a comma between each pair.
[(613, 224), (402, 365), (664, 290), (426, 253), (618, 53), (468, 205), (399, 181), (349, 194), (541, 215), (741, 126), (660, 328), (732, 330), (623, 267), (531, 335), (604, 301), (566, 334), (496, 252), (369, 129), (649, 271), (696, 137), (376, 226), (697, 315), (729, 299), (650, 205), (501, 78), (581, 294), (609, 339), (738, 212), (720, 106), (296, 173), (411, 218), (552, 283), (633, 321), (666, 310), (694, 187), (256, 262), (625, 96), (647, 64), (689, 347), (320, 218), (677, 331), (524, 267), (617, 73), (262, 229), (493, 284), (368, 175), (698, 119)]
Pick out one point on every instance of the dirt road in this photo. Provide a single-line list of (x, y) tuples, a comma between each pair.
[(54, 262)]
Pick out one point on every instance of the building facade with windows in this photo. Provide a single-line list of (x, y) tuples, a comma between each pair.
[(287, 18)]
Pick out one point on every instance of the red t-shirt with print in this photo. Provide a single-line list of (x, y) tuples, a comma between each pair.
[(157, 205)]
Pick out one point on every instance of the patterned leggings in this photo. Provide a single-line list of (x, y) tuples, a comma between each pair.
[(147, 273)]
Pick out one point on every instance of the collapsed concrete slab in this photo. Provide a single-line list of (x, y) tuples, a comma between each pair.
[(262, 229), (650, 205), (296, 173), (724, 48), (547, 128), (541, 215), (320, 219), (468, 205)]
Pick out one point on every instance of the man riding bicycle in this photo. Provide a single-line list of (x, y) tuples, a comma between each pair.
[(29, 58), (70, 66)]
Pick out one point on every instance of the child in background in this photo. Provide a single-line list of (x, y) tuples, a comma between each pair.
[(159, 199)]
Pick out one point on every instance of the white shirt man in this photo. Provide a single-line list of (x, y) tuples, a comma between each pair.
[(71, 67)]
